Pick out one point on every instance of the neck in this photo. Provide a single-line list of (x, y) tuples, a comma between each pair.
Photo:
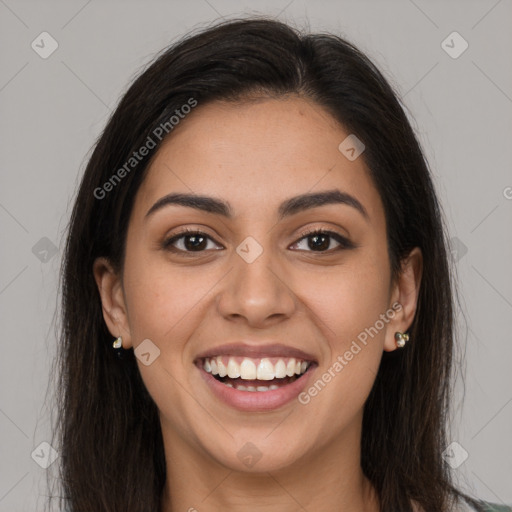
[(330, 479)]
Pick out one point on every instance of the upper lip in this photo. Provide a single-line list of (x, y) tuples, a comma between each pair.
[(256, 351)]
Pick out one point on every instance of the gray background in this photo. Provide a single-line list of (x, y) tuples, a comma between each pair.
[(53, 109)]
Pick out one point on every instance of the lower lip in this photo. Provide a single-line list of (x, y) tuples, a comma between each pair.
[(254, 401)]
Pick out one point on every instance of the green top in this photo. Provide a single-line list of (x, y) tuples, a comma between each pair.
[(494, 507)]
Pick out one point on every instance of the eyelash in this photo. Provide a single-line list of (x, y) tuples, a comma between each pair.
[(344, 242)]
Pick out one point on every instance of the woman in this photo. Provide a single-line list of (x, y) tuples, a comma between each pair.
[(257, 305)]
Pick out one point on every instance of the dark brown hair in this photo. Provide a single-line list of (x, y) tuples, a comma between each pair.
[(109, 436)]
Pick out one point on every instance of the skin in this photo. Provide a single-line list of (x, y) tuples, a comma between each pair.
[(255, 155)]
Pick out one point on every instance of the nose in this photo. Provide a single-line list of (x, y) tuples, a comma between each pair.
[(258, 293)]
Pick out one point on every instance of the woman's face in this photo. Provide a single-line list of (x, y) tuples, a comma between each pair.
[(253, 290)]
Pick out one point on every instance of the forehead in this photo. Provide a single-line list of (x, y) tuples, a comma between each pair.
[(255, 153)]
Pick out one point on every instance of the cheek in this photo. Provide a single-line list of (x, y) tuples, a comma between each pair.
[(347, 300), (162, 301), (166, 305), (348, 305)]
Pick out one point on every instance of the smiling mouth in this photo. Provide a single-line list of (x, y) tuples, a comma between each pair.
[(255, 374)]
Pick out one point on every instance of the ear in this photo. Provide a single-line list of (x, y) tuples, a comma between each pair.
[(404, 294), (112, 300)]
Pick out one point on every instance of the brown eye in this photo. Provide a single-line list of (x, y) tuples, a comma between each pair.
[(189, 241), (321, 241), (194, 242)]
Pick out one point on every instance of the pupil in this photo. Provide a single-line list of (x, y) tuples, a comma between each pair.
[(324, 244), (194, 242)]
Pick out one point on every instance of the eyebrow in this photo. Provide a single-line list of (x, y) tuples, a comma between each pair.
[(289, 207)]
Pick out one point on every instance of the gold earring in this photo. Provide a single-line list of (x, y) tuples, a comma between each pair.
[(401, 339), (118, 347)]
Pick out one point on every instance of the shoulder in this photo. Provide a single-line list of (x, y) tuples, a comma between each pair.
[(494, 507), (467, 506), (484, 506)]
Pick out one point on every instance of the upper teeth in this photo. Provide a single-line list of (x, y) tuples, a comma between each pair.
[(251, 369)]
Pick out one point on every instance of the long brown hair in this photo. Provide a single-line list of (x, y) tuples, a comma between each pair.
[(108, 430)]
